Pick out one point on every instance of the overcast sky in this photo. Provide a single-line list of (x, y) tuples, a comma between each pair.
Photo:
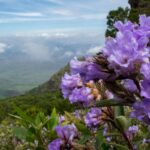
[(29, 16)]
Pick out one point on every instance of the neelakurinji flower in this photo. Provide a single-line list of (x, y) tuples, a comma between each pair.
[(145, 89), (65, 134), (87, 69), (133, 129), (123, 54), (69, 82), (94, 118), (141, 111), (128, 50), (145, 70), (81, 95), (55, 145), (144, 25), (129, 85)]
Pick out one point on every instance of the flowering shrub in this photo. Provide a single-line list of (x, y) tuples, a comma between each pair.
[(111, 94), (107, 89)]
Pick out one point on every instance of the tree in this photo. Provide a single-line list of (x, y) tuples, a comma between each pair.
[(113, 16)]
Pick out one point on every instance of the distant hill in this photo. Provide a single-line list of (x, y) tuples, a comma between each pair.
[(45, 97), (52, 85)]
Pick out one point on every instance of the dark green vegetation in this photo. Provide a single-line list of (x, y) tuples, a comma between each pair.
[(43, 98), (113, 16), (139, 7)]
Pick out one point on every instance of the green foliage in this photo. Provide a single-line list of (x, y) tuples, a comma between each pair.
[(120, 14), (139, 7), (39, 128), (32, 104)]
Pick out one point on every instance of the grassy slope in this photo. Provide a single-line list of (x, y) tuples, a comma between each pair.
[(44, 98)]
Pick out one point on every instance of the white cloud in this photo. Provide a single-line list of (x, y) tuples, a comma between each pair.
[(23, 14), (36, 51), (63, 12), (94, 50), (3, 47), (94, 16), (68, 53)]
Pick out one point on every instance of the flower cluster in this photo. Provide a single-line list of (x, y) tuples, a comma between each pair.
[(94, 118), (123, 67), (129, 49), (66, 135)]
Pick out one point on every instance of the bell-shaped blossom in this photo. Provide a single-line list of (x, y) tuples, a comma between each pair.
[(69, 82), (145, 89), (88, 69), (145, 70), (124, 26), (55, 145), (94, 118), (142, 111), (81, 95), (65, 134), (129, 85), (133, 129), (145, 25)]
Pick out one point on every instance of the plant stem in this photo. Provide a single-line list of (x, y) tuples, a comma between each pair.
[(130, 146)]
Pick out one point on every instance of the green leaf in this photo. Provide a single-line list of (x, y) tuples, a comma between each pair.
[(122, 122), (53, 121), (40, 117), (24, 116), (119, 111), (99, 140)]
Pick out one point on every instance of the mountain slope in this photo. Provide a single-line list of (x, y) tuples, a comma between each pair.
[(43, 98)]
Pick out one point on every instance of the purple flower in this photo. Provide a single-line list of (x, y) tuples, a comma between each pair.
[(123, 53), (145, 89), (66, 133), (129, 49), (69, 82), (78, 67), (145, 24), (81, 95), (61, 119), (93, 118), (146, 141), (145, 70), (142, 111), (124, 26), (55, 145), (87, 69), (133, 129), (129, 85)]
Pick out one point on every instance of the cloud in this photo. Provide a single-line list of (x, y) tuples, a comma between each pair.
[(36, 51), (63, 12), (94, 50), (23, 14), (101, 16), (3, 47), (68, 53)]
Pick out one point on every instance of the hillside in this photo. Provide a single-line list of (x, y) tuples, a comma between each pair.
[(52, 85), (45, 98)]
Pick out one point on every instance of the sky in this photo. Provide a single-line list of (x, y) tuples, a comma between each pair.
[(42, 16)]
